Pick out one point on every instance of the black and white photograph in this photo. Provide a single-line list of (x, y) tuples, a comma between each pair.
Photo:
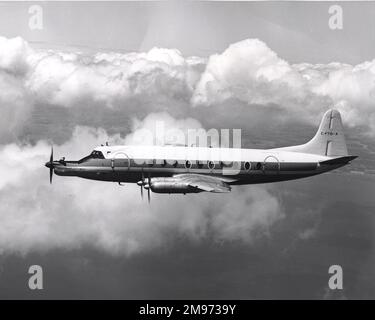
[(187, 150)]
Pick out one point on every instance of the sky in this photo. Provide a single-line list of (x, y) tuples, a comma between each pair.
[(101, 72), (296, 33)]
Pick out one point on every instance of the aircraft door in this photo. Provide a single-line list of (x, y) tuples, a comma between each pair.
[(271, 165), (120, 162)]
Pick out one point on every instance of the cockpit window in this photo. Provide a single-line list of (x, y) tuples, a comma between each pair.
[(94, 155), (97, 155)]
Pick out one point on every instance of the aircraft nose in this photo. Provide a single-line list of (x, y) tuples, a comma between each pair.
[(48, 164)]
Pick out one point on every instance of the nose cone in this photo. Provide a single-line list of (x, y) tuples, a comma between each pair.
[(49, 164)]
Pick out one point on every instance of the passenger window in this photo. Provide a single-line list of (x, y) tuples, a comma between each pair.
[(188, 164), (247, 166)]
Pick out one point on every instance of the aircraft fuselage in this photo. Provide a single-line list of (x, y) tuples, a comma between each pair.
[(271, 167)]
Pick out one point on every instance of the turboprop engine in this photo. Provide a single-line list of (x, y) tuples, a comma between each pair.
[(170, 185)]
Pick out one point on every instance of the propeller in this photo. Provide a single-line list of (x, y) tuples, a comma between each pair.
[(50, 165), (143, 182)]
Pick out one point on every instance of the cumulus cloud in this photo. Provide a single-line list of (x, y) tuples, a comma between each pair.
[(250, 72), (247, 73), (68, 79), (15, 99), (73, 212), (161, 129), (14, 55), (29, 78)]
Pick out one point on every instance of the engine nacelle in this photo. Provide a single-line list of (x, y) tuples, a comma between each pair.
[(171, 185)]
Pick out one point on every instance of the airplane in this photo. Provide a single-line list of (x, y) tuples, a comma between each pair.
[(182, 169)]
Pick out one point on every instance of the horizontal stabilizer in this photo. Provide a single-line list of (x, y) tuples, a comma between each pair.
[(339, 160)]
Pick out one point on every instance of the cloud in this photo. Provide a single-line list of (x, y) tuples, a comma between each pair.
[(161, 129), (145, 80), (69, 79), (250, 72), (15, 99), (14, 55), (72, 212), (247, 73)]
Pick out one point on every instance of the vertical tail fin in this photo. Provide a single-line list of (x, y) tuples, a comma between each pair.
[(329, 139)]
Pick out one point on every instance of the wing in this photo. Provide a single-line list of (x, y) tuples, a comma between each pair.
[(204, 183)]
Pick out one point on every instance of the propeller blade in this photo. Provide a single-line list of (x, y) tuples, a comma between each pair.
[(51, 166), (143, 182), (149, 188), (50, 175)]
